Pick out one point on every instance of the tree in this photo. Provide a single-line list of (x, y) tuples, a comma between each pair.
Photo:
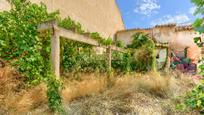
[(198, 24), (199, 27), (195, 99)]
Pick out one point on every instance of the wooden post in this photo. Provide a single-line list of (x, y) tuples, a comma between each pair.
[(168, 61), (202, 51), (55, 44), (109, 80), (55, 51), (109, 58)]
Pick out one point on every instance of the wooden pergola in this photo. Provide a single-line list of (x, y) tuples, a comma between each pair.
[(70, 35)]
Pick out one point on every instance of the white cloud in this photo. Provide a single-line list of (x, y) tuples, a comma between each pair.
[(192, 10), (147, 7), (167, 19)]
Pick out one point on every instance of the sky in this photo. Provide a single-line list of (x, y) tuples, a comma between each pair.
[(148, 13)]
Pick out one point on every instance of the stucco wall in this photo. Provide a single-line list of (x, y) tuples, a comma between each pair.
[(101, 16), (126, 36), (185, 39), (164, 34), (4, 5)]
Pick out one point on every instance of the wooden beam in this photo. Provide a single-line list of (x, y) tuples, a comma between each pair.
[(202, 51), (77, 37), (46, 25), (168, 61), (160, 45), (55, 51), (118, 49), (109, 58), (73, 36), (61, 32)]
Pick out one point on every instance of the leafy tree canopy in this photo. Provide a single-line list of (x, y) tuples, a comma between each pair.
[(198, 24)]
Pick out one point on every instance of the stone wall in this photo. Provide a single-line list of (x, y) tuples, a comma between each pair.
[(101, 16)]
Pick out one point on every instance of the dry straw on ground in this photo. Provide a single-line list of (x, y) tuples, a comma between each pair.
[(149, 94), (15, 98)]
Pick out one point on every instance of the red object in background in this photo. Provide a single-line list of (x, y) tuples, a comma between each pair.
[(186, 65), (175, 59), (180, 67)]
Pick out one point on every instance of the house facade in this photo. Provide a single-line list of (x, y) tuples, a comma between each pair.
[(178, 38)]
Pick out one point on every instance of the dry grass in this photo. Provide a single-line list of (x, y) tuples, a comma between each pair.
[(14, 97), (29, 99), (149, 94), (89, 85), (9, 85)]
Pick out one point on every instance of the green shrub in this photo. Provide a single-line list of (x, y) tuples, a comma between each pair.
[(80, 57), (144, 58), (121, 61), (195, 99), (22, 46), (119, 44)]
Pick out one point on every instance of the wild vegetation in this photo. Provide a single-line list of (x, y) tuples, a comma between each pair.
[(26, 53), (144, 55), (194, 100), (27, 50), (135, 93)]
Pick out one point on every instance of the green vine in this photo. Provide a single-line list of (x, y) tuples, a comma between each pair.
[(22, 46)]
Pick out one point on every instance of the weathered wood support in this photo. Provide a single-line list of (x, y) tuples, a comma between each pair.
[(77, 37), (118, 49), (55, 51), (202, 51), (109, 58), (61, 32), (168, 61), (46, 25)]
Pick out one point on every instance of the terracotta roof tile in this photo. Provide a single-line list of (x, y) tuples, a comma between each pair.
[(166, 25), (182, 28)]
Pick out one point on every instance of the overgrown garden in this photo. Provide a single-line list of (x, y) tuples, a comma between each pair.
[(28, 51), (194, 100), (23, 47)]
